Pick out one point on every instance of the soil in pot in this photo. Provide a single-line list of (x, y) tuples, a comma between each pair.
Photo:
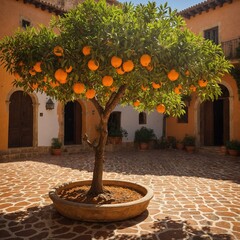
[(112, 195)]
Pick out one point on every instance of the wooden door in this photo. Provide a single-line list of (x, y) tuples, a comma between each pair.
[(20, 132)]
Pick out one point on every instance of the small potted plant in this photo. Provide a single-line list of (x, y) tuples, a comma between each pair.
[(179, 145), (56, 146), (115, 135), (233, 147), (189, 143), (143, 136)]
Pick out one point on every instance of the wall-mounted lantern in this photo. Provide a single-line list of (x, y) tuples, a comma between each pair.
[(49, 104)]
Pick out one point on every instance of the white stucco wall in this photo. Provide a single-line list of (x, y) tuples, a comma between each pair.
[(130, 122), (48, 126)]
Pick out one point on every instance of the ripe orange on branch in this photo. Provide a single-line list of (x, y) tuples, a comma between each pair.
[(78, 88), (32, 72), (86, 50), (116, 62), (156, 85), (107, 81), (37, 67), (93, 65), (90, 93), (69, 69), (161, 108), (145, 60), (202, 83), (136, 103), (61, 75), (16, 76), (128, 66), (173, 75), (58, 51), (120, 71)]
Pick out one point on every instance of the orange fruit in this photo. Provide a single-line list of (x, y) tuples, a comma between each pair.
[(35, 86), (173, 75), (78, 88), (45, 79), (61, 75), (93, 65), (37, 67), (156, 85), (149, 67), (145, 59), (32, 72), (144, 88), (16, 76), (90, 93), (177, 90), (54, 84), (58, 51), (136, 103), (116, 62), (69, 69), (113, 89), (86, 50), (107, 81), (120, 71), (128, 66), (202, 83), (187, 73), (21, 63), (193, 88), (161, 108)]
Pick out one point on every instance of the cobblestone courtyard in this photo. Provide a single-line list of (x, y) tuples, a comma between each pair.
[(196, 196)]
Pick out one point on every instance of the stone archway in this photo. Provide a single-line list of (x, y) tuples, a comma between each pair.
[(215, 121)]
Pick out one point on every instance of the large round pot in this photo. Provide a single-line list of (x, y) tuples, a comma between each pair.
[(104, 212)]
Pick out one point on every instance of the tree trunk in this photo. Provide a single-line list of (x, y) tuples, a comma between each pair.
[(97, 185)]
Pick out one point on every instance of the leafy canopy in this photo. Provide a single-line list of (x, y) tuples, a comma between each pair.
[(127, 32)]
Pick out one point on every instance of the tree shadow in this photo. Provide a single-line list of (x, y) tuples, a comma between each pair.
[(45, 223)]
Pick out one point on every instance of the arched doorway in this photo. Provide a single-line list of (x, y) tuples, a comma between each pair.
[(214, 120), (20, 131), (72, 123)]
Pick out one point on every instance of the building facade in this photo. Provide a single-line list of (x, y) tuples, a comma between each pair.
[(213, 123)]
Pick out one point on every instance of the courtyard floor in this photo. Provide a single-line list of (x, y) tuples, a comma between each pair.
[(196, 196)]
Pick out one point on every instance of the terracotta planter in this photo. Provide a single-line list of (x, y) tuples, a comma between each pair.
[(190, 149), (56, 151), (104, 212), (180, 146), (143, 146), (233, 152)]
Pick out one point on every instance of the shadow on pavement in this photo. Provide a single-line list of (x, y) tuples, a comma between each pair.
[(45, 223)]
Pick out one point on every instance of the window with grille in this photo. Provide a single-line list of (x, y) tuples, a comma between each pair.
[(212, 34)]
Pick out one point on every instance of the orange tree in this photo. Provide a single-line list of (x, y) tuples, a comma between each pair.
[(140, 55)]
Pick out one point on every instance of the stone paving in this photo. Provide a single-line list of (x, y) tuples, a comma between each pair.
[(196, 196)]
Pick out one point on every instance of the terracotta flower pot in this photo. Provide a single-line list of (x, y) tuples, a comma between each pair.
[(190, 149), (233, 152), (103, 212)]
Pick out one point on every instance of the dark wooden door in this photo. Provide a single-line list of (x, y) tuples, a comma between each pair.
[(214, 123), (20, 132), (72, 123)]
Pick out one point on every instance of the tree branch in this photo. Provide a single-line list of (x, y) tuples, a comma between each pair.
[(93, 144), (112, 103)]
